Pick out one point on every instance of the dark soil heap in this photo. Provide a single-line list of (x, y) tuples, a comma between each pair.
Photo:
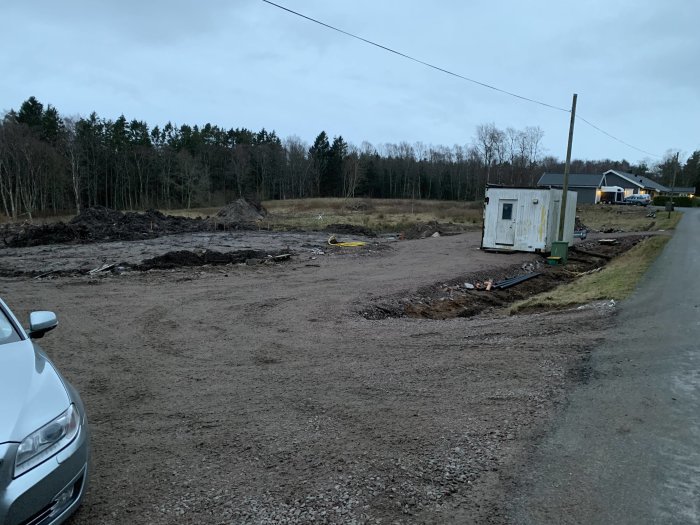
[(182, 258), (98, 223), (242, 211), (423, 230), (350, 229)]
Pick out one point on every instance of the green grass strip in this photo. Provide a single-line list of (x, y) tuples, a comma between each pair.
[(616, 281)]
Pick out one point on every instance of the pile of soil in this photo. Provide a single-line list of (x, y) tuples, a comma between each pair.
[(424, 230), (98, 223), (244, 210), (97, 215), (459, 298), (25, 235), (181, 258), (350, 229)]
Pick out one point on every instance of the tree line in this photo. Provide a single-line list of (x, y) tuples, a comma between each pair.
[(53, 164)]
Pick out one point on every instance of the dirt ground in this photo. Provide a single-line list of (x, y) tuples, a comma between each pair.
[(260, 394)]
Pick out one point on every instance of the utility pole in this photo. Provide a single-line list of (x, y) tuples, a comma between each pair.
[(567, 166), (669, 207)]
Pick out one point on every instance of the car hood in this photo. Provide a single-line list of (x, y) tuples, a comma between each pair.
[(32, 393)]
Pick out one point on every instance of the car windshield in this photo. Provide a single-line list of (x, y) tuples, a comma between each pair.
[(8, 334)]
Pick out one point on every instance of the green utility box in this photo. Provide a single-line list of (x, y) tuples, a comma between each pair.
[(560, 249)]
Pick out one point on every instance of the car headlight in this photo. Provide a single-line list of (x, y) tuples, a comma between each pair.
[(50, 439)]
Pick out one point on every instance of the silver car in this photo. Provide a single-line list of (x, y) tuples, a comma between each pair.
[(44, 435)]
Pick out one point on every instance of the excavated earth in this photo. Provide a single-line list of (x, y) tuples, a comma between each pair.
[(97, 224), (270, 393), (468, 295)]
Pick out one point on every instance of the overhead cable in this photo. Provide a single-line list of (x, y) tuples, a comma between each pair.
[(457, 75), (417, 60), (617, 139)]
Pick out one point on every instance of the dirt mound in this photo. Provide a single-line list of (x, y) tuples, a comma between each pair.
[(350, 229), (423, 230), (244, 210), (97, 216), (20, 236), (98, 223), (181, 258)]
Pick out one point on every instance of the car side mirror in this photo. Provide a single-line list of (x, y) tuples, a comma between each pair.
[(40, 323)]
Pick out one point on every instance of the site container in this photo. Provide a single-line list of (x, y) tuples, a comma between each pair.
[(525, 219)]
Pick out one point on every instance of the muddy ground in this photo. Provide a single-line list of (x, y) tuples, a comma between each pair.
[(260, 394)]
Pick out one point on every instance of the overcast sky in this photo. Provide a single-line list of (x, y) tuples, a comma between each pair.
[(244, 63)]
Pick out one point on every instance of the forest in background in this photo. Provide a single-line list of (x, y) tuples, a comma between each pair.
[(51, 164)]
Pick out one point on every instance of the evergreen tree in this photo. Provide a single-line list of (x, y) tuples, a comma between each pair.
[(30, 113), (332, 179), (319, 154)]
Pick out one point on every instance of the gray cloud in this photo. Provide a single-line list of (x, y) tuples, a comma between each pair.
[(244, 63)]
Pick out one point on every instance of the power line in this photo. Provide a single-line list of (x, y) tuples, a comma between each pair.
[(617, 139), (457, 75), (417, 60)]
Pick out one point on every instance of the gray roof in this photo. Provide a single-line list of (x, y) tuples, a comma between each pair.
[(576, 180), (640, 180)]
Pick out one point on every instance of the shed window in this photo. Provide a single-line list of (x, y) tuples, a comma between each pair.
[(507, 212)]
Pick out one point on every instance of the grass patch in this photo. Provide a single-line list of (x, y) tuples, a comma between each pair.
[(192, 213), (616, 281), (603, 217), (381, 215)]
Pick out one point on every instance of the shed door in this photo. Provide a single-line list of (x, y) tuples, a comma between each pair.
[(505, 226)]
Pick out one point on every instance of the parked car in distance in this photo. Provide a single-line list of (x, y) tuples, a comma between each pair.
[(44, 435), (638, 200)]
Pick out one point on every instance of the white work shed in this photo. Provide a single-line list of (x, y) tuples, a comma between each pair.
[(526, 220)]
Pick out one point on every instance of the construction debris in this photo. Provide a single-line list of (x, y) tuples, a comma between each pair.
[(507, 283), (467, 296), (102, 268)]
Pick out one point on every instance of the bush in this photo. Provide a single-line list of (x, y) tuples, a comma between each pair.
[(683, 202)]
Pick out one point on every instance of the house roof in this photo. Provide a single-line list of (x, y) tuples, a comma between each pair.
[(684, 189), (639, 180), (576, 180)]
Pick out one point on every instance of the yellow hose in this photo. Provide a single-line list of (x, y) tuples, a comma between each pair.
[(349, 244)]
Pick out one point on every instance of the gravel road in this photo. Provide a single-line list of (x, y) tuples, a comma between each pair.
[(258, 394), (627, 449)]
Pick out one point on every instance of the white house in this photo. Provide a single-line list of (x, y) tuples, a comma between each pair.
[(523, 219)]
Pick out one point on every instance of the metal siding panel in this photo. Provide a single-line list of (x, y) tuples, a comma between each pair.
[(571, 201), (553, 218), (490, 211), (533, 220)]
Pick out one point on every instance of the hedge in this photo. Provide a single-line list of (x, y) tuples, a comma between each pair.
[(683, 202)]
